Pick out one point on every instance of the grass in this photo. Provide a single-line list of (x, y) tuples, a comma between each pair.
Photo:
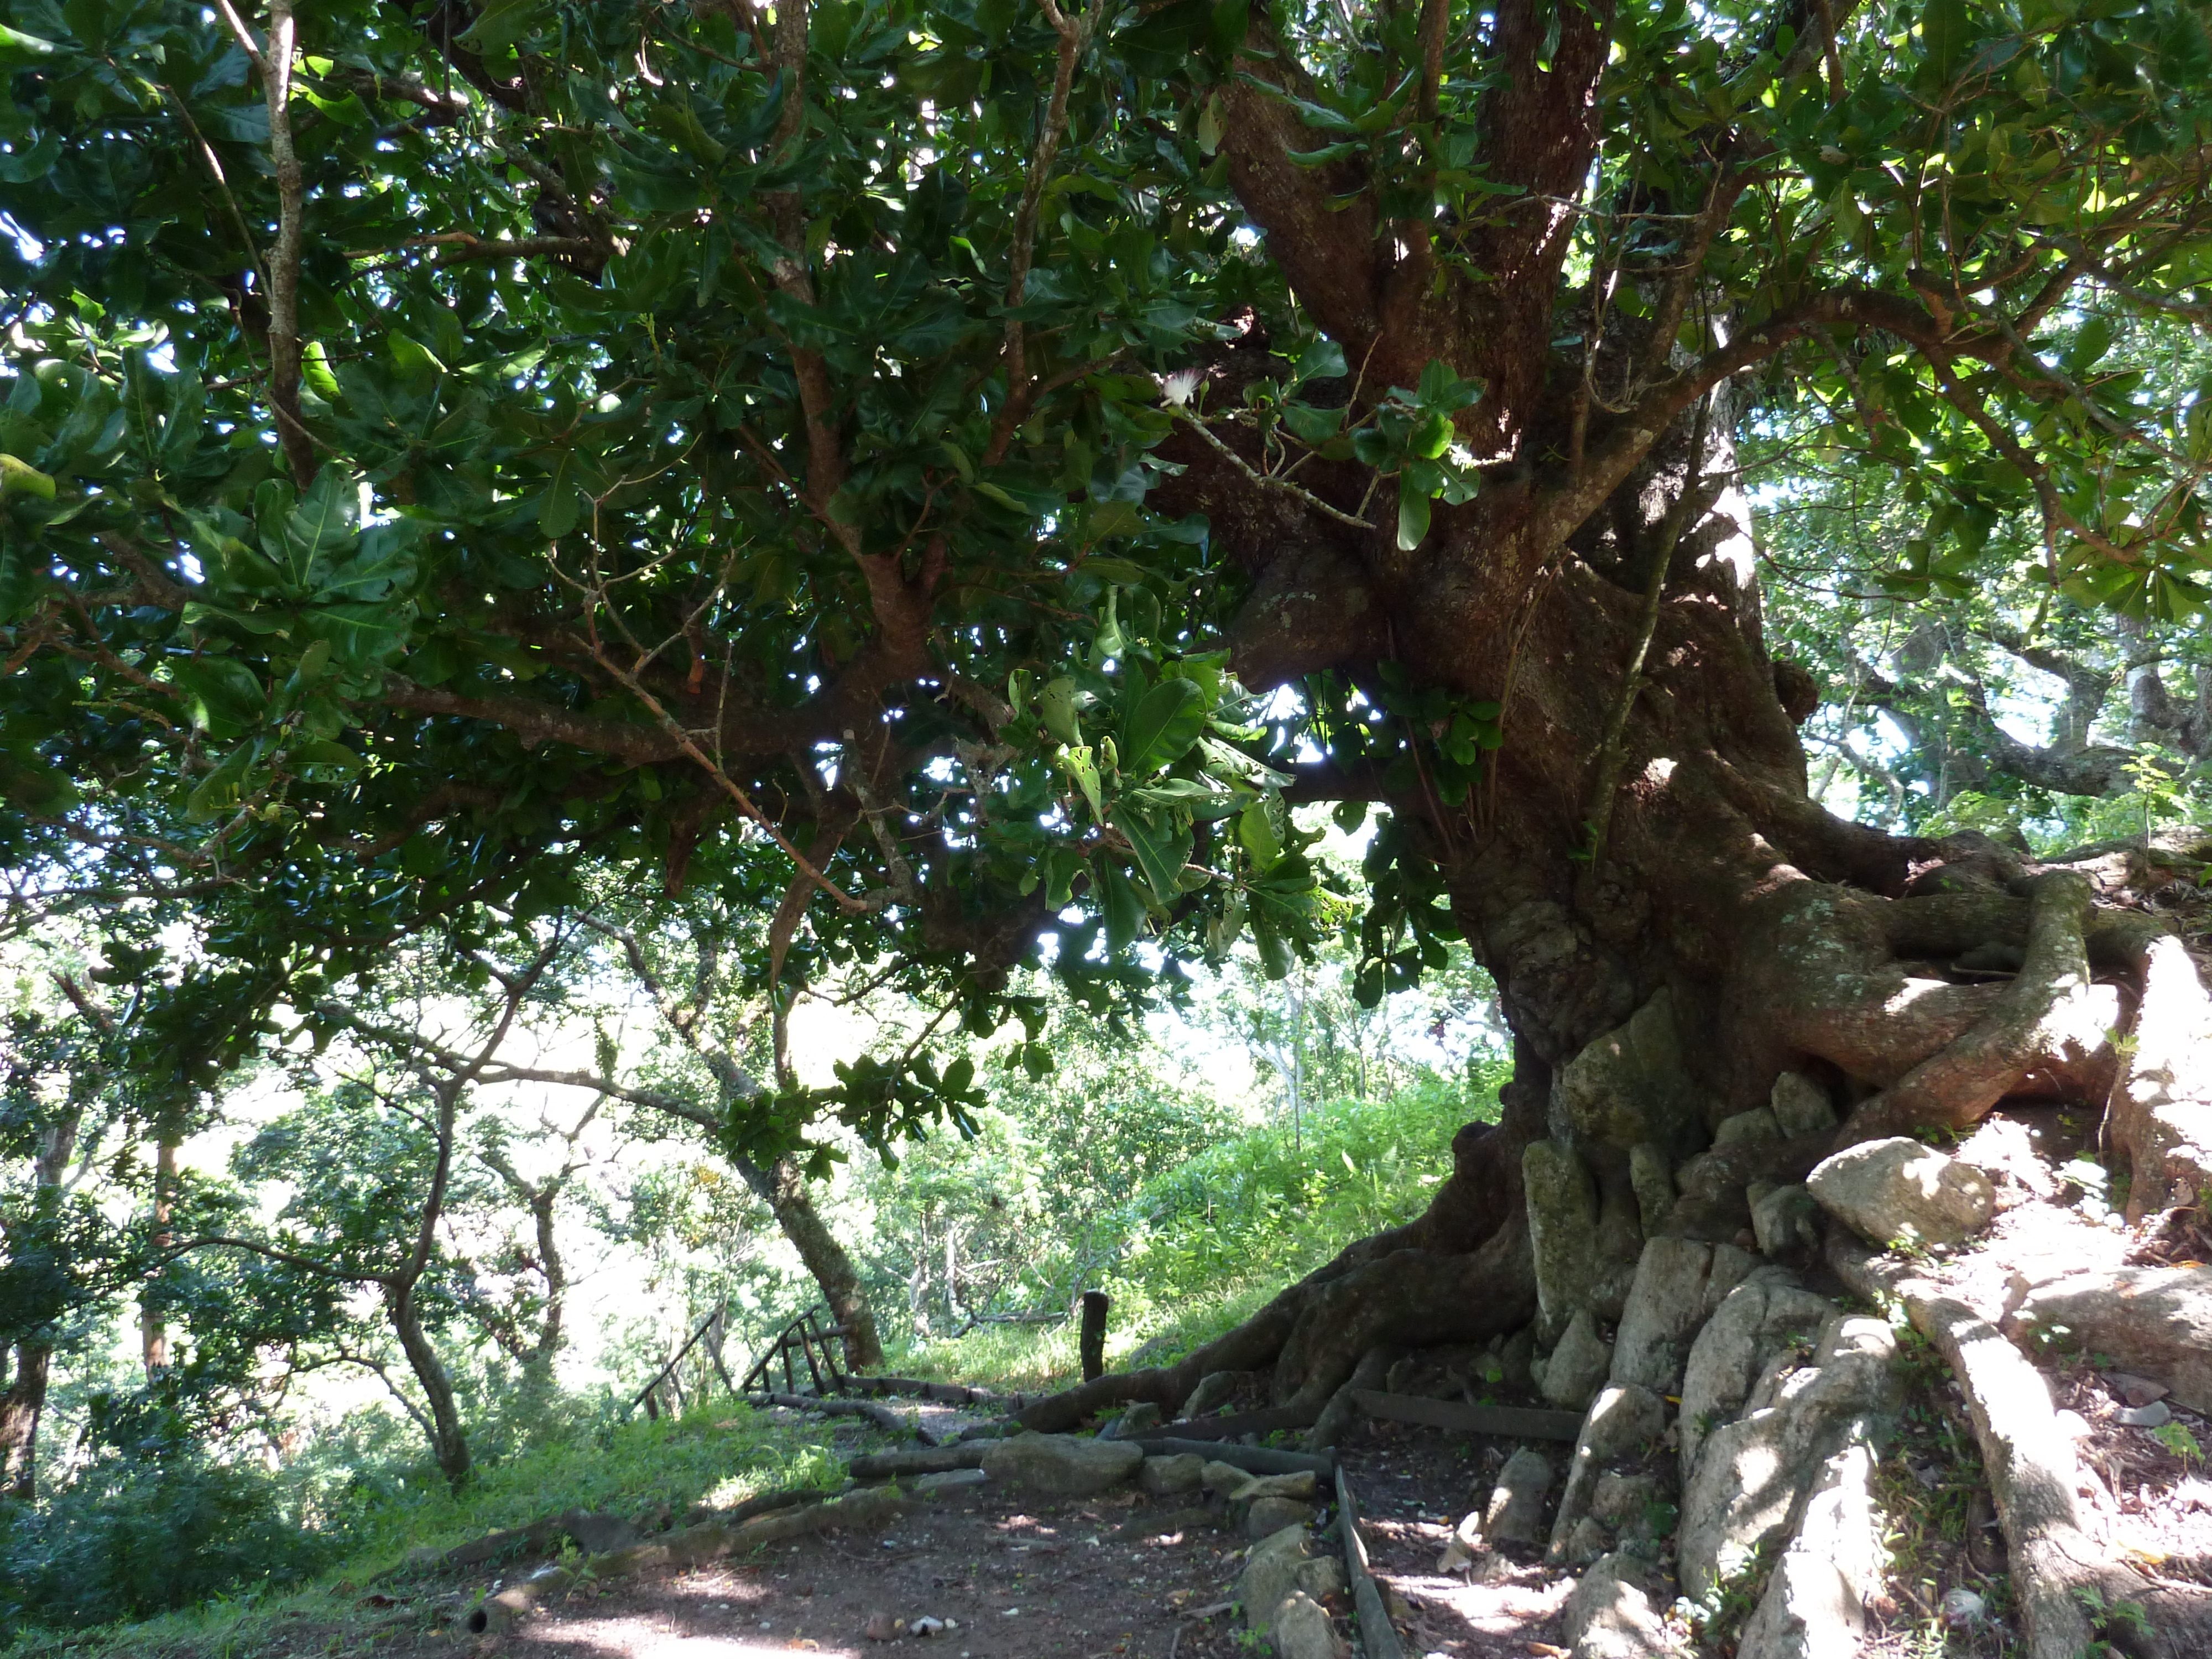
[(719, 1453), (1207, 1244)]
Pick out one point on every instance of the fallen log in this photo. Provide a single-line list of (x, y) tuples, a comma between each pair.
[(943, 1394), (936, 1460), (881, 1415), (1228, 1428), (1378, 1638), (1511, 1422), (1254, 1460)]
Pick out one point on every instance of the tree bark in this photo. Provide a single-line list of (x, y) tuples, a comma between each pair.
[(449, 1443), (25, 1402), (782, 1187), (152, 1319)]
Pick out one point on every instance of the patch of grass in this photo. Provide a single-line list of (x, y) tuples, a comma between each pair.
[(719, 1453)]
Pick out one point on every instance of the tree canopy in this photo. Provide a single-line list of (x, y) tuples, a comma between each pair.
[(882, 459)]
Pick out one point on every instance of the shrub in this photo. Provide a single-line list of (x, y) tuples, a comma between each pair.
[(134, 1535)]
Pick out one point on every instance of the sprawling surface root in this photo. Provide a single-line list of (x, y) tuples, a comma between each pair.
[(2060, 1575), (2161, 1103), (2049, 1015)]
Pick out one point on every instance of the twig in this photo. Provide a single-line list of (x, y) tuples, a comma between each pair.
[(1266, 480)]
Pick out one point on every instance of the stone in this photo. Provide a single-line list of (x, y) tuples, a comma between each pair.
[(1628, 1086), (1214, 1390), (1278, 1566), (1224, 1478), (1815, 1605), (1751, 1475), (950, 1481), (1062, 1466), (596, 1532), (1652, 1180), (1300, 1485), (1514, 1517), (1514, 1357), (1589, 1541), (1680, 1283), (1301, 1629), (1162, 1476), (1888, 1190), (2135, 1390), (1766, 1313), (2156, 1415), (1269, 1516), (1800, 1106), (1140, 1419), (2154, 1322), (1623, 1419), (1787, 1223), (1621, 1500), (1577, 1366), (1563, 1232), (1162, 1525), (1613, 1613), (1757, 1124)]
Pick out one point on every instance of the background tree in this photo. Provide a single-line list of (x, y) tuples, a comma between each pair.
[(895, 439)]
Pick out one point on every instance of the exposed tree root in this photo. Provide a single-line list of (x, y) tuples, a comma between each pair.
[(2160, 1111), (2060, 1575), (2050, 1013)]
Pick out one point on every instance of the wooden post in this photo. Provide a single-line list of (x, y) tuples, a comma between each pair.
[(1093, 1340)]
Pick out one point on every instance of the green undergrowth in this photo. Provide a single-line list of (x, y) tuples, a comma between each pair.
[(719, 1453), (1207, 1244)]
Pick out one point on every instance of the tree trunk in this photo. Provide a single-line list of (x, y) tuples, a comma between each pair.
[(1671, 922), (550, 1334), (153, 1318), (25, 1402), (449, 1444), (783, 1189)]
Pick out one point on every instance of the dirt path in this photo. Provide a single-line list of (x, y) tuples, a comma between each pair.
[(1015, 1579)]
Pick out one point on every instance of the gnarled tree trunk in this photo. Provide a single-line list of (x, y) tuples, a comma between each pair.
[(782, 1187)]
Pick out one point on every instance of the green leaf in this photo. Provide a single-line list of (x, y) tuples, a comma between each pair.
[(223, 696), (21, 479), (1164, 723), (562, 504), (1162, 850), (1945, 36), (1412, 519), (1255, 829)]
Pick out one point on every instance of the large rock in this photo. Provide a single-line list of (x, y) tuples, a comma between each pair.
[(1786, 1222), (1575, 1370), (1062, 1465), (1162, 1476), (1141, 1418), (1651, 1178), (1757, 1124), (1584, 1241), (1765, 1314), (1301, 1629), (1514, 1517), (1679, 1284), (1752, 1475), (1622, 1423), (1888, 1190), (2152, 1321), (1280, 1565), (1814, 1606), (1214, 1390), (1614, 1612), (1800, 1106), (1630, 1086)]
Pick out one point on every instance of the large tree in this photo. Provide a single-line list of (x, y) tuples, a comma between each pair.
[(452, 440)]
